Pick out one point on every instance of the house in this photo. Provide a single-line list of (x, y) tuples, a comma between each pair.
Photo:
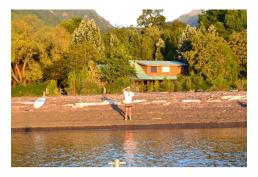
[(149, 70)]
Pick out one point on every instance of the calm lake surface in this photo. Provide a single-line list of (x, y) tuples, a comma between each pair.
[(139, 148)]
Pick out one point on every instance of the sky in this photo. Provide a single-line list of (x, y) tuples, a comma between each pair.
[(128, 16)]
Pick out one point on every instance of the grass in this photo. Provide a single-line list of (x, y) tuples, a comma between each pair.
[(29, 90)]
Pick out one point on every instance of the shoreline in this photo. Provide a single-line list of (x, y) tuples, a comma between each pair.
[(150, 111), (137, 127)]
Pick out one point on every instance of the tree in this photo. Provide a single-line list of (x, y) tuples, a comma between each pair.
[(225, 21), (151, 17), (238, 44), (118, 44), (171, 36), (85, 81), (125, 40), (236, 20), (80, 54), (75, 59), (211, 56), (71, 24), (150, 37), (88, 32), (117, 68), (159, 46), (34, 46)]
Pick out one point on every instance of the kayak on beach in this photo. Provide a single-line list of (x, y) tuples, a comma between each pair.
[(39, 102)]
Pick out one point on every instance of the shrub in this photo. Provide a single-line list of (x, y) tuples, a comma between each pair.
[(156, 86), (198, 82), (150, 87), (72, 85), (241, 84), (178, 84), (171, 86), (164, 86), (220, 83), (34, 89), (138, 87), (90, 87), (85, 81), (118, 85), (52, 88), (187, 84)]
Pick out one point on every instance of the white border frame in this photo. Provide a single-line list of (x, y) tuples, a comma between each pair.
[(5, 86)]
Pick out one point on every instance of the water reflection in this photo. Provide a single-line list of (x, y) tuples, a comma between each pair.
[(157, 147), (129, 147)]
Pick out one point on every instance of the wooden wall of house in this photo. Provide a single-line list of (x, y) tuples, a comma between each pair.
[(174, 70), (144, 68)]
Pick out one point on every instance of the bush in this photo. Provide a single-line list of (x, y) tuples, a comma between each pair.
[(164, 86), (84, 81), (241, 84), (35, 89), (220, 83), (52, 88), (118, 85), (90, 88), (156, 86), (171, 86), (138, 87), (150, 87), (72, 83), (178, 84), (198, 82)]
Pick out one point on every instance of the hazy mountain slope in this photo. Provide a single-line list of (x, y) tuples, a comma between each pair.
[(191, 18), (53, 17)]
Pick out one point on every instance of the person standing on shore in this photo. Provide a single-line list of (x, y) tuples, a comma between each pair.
[(128, 101)]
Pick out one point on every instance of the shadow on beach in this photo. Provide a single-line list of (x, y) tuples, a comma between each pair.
[(114, 105), (243, 105)]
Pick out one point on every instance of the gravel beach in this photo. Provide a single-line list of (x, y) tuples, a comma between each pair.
[(150, 110)]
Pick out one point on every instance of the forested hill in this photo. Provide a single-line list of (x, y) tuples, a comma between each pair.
[(67, 55), (191, 18), (54, 17)]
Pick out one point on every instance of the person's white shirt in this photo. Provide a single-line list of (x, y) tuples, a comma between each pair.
[(128, 97)]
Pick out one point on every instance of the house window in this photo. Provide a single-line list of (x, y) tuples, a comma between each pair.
[(165, 69), (153, 69)]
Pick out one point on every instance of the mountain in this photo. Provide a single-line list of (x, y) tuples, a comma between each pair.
[(54, 17), (191, 18)]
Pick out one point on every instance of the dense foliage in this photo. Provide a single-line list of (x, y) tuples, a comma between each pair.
[(77, 57)]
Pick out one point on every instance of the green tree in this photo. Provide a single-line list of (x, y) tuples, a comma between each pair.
[(151, 17), (211, 56), (85, 81), (80, 55), (88, 32), (159, 46), (92, 82), (71, 24), (171, 36), (238, 44), (34, 47), (75, 59), (225, 21), (150, 37), (236, 20), (117, 68), (123, 40)]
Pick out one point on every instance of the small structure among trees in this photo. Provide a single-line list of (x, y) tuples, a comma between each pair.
[(147, 70)]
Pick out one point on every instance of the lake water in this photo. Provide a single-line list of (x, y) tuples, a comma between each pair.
[(138, 148)]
